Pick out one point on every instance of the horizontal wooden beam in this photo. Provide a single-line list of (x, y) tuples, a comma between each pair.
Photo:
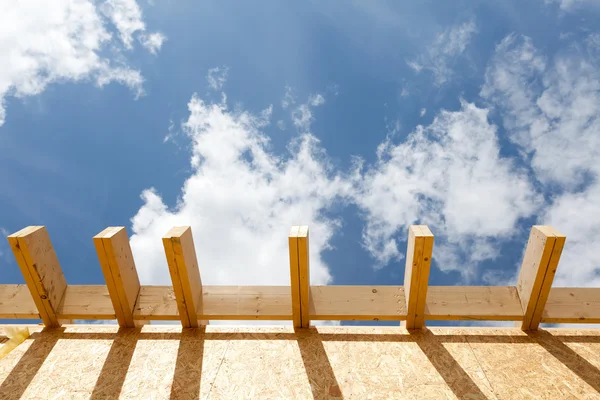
[(493, 303), (16, 303), (572, 305), (378, 303), (384, 303), (86, 302)]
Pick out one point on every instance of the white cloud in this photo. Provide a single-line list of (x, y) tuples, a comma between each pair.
[(569, 5), (316, 100), (64, 40), (217, 77), (551, 110), (447, 46), (302, 116), (153, 42), (241, 201), (450, 176), (289, 98), (281, 124), (4, 248), (423, 111), (126, 15)]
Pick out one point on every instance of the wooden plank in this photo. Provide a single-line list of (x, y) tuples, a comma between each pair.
[(540, 262), (156, 303), (416, 274), (572, 305), (86, 302), (42, 272), (16, 303), (304, 272), (494, 303), (247, 303), (185, 274), (377, 303), (220, 303), (118, 267), (295, 276)]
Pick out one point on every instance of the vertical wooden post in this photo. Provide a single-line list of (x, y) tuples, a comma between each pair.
[(540, 262), (42, 272), (300, 276), (118, 267), (416, 274), (185, 274)]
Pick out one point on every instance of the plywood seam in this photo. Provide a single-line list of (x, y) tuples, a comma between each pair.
[(481, 367)]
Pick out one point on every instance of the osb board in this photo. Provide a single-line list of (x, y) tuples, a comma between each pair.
[(159, 362)]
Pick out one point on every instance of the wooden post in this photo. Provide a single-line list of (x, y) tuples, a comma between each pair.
[(300, 276), (416, 274), (42, 272), (185, 274), (118, 267), (537, 273)]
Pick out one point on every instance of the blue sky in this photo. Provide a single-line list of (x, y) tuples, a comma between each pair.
[(477, 118)]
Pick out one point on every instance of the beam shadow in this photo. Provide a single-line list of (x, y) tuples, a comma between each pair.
[(29, 364), (323, 383), (450, 370), (188, 367), (112, 376), (563, 353)]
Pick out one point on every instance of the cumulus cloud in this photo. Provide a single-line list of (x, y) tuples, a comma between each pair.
[(65, 40), (551, 109), (450, 176), (302, 116), (241, 201), (217, 77), (289, 98), (153, 42), (447, 46), (570, 5)]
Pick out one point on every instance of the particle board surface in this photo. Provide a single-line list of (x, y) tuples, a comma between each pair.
[(226, 362)]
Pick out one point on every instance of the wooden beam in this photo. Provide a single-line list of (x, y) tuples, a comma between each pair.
[(42, 272), (304, 270), (185, 274), (416, 274), (375, 303), (247, 303), (16, 303), (295, 277), (156, 303), (118, 267), (573, 305), (493, 303), (540, 262), (86, 302), (219, 303)]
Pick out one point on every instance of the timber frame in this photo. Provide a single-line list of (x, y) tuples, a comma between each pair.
[(47, 296)]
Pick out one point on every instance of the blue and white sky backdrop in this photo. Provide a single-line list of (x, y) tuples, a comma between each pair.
[(477, 118)]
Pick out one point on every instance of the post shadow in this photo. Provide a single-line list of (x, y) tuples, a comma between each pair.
[(112, 376), (323, 382), (450, 370), (30, 363), (188, 367), (563, 353)]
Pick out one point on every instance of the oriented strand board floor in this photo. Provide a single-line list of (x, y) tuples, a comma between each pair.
[(160, 362)]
